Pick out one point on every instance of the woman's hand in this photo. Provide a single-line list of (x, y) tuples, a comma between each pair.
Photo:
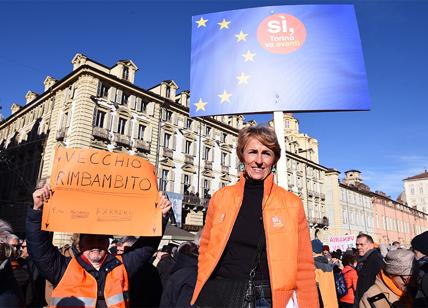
[(164, 204), (40, 196)]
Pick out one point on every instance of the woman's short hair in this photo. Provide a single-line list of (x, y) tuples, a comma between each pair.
[(265, 135), (349, 258)]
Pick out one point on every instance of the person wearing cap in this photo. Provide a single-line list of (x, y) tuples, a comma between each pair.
[(392, 283), (324, 276), (94, 278), (420, 247)]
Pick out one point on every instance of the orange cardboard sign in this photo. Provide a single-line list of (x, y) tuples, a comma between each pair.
[(101, 192)]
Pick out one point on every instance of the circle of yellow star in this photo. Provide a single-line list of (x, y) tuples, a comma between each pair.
[(224, 24), (242, 79), (202, 22), (225, 97), (241, 36), (200, 105), (248, 56)]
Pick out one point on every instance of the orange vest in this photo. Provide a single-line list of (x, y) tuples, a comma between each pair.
[(288, 246), (78, 288)]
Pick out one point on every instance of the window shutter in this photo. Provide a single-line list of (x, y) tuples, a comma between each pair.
[(114, 121), (119, 96), (148, 133), (128, 131), (162, 137), (109, 120), (174, 141), (132, 102), (175, 118), (98, 89), (194, 148), (151, 108), (111, 94), (137, 103)]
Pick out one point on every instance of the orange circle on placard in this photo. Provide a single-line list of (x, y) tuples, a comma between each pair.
[(281, 33)]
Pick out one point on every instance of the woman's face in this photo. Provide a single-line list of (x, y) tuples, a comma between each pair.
[(258, 159)]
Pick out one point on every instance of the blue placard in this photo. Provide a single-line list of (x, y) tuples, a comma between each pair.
[(278, 58)]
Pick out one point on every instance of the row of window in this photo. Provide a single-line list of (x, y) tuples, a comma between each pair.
[(166, 183), (357, 218)]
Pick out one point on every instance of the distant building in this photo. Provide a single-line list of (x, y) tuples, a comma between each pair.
[(376, 213), (416, 191), (356, 205)]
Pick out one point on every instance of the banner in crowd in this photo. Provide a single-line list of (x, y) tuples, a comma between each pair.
[(101, 192), (277, 58), (342, 242)]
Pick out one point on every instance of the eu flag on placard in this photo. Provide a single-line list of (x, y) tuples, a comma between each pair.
[(277, 58)]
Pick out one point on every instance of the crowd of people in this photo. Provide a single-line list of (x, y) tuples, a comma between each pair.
[(371, 275), (254, 251)]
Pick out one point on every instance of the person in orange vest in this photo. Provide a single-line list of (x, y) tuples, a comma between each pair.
[(94, 278), (255, 248)]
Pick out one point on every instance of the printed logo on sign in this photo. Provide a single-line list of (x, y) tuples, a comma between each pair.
[(277, 222), (281, 33)]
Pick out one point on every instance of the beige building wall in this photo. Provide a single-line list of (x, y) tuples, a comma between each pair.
[(416, 190)]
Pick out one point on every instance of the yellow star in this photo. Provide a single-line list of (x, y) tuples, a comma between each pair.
[(202, 22), (224, 24), (248, 56), (243, 79), (224, 97), (200, 105), (241, 36)]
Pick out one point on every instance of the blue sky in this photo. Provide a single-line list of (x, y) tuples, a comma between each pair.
[(387, 144)]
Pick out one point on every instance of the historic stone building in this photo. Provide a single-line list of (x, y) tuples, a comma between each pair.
[(101, 107), (375, 213), (416, 191), (356, 205)]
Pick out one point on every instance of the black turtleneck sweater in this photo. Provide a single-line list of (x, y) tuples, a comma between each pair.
[(241, 249)]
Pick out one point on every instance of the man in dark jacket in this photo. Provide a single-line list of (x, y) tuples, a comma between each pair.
[(370, 263), (181, 283), (420, 247), (94, 261)]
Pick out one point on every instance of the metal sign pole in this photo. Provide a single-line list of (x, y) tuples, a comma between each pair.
[(278, 119)]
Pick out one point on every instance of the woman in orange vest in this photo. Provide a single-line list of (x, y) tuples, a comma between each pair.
[(94, 278), (255, 247)]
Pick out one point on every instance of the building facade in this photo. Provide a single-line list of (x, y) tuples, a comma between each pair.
[(356, 204), (100, 107), (396, 221), (416, 191)]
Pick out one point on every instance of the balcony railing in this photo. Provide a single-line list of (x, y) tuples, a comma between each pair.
[(121, 139), (100, 132), (142, 145), (194, 201), (225, 169), (167, 153), (322, 195), (188, 159)]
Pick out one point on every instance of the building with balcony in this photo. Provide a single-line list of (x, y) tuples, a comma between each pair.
[(101, 107)]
